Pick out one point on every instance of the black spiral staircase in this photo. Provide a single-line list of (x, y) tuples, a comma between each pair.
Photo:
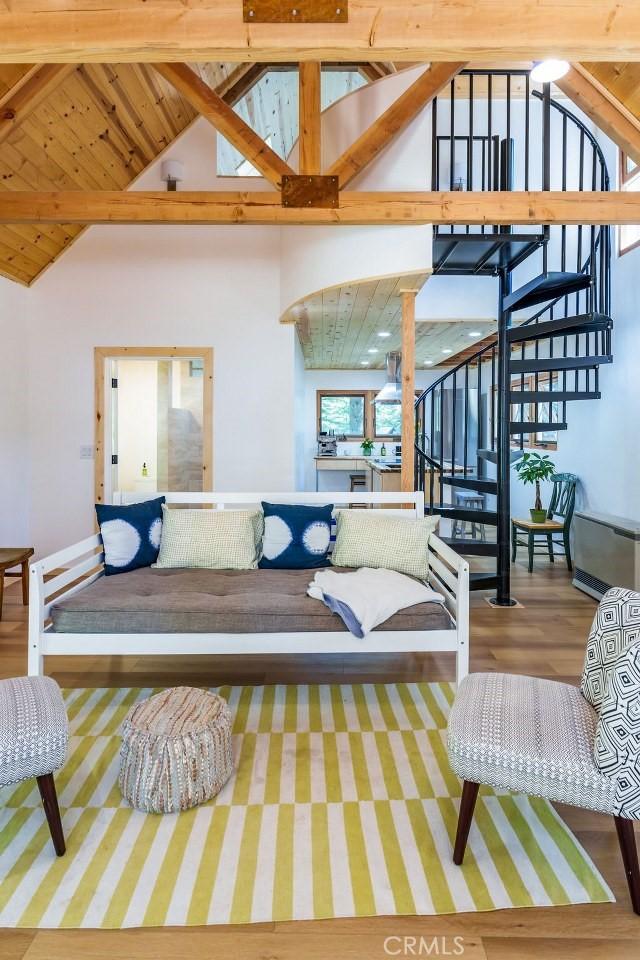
[(495, 131)]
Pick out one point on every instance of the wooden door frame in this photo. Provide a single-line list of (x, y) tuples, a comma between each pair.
[(101, 354)]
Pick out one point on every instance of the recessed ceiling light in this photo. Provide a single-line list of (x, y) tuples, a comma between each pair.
[(544, 71), (384, 333), (446, 350), (428, 363), (474, 333), (364, 363), (372, 350)]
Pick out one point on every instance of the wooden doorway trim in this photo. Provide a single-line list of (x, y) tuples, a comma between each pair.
[(101, 354)]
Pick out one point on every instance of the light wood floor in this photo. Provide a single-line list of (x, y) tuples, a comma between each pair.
[(545, 637)]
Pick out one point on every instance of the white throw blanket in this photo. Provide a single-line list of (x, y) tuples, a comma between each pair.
[(368, 597)]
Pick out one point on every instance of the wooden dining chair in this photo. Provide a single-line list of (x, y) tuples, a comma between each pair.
[(559, 516)]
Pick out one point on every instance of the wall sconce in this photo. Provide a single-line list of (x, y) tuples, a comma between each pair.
[(172, 172)]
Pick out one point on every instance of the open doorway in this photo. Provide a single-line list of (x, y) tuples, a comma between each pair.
[(154, 408)]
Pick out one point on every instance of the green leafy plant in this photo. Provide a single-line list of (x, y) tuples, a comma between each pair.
[(533, 468), (367, 447)]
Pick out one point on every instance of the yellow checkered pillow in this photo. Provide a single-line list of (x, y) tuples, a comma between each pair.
[(213, 539), (370, 538)]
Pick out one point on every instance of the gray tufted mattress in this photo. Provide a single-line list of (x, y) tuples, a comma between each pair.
[(216, 601)]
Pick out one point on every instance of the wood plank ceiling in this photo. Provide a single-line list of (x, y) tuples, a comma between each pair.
[(98, 130), (341, 328)]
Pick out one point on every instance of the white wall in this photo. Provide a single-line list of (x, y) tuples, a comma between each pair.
[(14, 523), (160, 286)]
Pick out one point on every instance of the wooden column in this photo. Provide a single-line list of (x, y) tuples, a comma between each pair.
[(407, 473), (310, 158)]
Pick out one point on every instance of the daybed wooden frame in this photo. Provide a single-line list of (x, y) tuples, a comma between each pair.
[(82, 563)]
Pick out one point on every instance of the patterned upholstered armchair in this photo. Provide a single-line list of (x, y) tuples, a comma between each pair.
[(579, 746)]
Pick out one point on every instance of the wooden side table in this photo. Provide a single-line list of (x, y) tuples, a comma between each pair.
[(13, 557)]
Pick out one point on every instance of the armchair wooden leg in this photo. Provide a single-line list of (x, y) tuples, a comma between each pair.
[(47, 789), (550, 547), (467, 806), (629, 851)]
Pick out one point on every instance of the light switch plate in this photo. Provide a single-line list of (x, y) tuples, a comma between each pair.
[(86, 451)]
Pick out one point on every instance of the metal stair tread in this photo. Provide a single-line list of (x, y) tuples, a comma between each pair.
[(545, 287), (579, 323), (481, 484), (553, 396), (519, 427), (472, 547), (550, 364)]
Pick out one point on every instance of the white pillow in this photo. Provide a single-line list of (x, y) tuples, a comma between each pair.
[(212, 539), (368, 538)]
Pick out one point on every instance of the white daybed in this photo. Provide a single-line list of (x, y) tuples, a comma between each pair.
[(84, 562)]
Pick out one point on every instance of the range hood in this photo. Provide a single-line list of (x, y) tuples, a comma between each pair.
[(392, 390)]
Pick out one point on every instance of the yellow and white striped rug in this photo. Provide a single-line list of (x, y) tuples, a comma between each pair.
[(343, 805)]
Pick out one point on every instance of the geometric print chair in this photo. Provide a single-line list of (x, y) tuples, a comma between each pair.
[(579, 746), (33, 741)]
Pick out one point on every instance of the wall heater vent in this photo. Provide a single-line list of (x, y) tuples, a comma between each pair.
[(607, 553)]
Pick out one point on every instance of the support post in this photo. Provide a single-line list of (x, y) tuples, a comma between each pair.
[(407, 471), (503, 593), (310, 143)]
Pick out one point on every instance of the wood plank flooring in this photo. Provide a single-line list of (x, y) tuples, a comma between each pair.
[(545, 637)]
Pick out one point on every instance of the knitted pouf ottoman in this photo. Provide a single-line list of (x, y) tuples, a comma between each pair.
[(176, 750)]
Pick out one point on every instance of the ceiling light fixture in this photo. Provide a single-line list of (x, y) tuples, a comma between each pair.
[(474, 333), (364, 363), (544, 71), (446, 350), (428, 363), (384, 333), (372, 350)]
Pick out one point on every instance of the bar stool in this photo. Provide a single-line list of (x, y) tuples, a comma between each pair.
[(358, 482), (461, 528)]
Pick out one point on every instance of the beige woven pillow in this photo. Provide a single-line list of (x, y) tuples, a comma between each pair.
[(212, 539), (367, 538)]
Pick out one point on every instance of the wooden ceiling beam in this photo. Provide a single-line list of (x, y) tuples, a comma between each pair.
[(406, 30), (310, 121), (394, 119), (104, 206), (606, 111), (240, 81), (214, 109), (30, 91)]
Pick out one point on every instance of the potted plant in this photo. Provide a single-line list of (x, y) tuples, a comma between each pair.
[(533, 468), (367, 447)]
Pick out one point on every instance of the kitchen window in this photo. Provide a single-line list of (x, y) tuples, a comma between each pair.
[(356, 415), (548, 440), (342, 413), (387, 420), (628, 234)]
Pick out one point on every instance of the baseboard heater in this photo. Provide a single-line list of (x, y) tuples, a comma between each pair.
[(606, 553)]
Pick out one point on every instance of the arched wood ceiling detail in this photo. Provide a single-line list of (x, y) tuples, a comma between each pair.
[(338, 328)]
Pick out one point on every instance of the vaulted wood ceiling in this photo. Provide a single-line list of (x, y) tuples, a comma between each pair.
[(104, 124), (98, 130)]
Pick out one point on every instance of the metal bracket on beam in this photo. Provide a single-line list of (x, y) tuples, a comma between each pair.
[(310, 191), (295, 11)]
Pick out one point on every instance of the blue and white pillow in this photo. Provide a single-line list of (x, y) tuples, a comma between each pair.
[(296, 537), (130, 534)]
